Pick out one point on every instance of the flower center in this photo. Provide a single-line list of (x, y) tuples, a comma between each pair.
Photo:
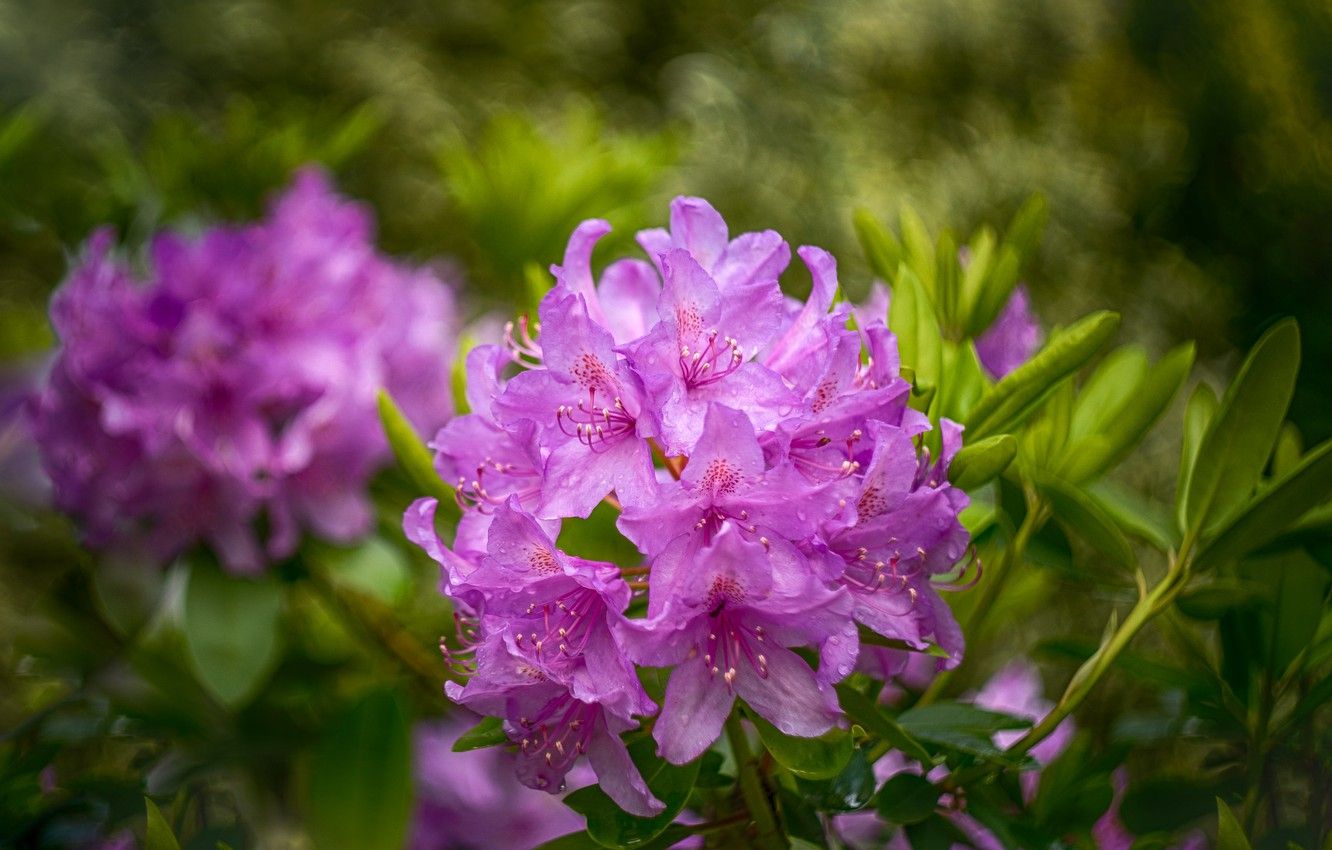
[(558, 735), (731, 643), (561, 626), (597, 427), (715, 358)]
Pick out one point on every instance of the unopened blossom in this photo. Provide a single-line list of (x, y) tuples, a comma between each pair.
[(1011, 338), (765, 464), (231, 385)]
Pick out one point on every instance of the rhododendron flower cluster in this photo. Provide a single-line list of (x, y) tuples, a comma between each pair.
[(764, 461), (233, 386)]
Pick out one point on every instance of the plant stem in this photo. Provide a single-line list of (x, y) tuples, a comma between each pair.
[(751, 787), (1148, 606), (975, 616), (1156, 601)]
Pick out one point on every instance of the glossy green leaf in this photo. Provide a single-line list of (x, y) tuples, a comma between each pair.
[(1084, 517), (906, 798), (947, 279), (911, 317), (413, 457), (799, 819), (848, 791), (1300, 587), (1289, 450), (812, 758), (1110, 384), (980, 463), (982, 247), (1135, 514), (611, 826), (863, 711), (1241, 435), (159, 835), (1132, 418), (1229, 834), (1198, 415), (231, 630), (572, 841), (360, 782), (1277, 507), (964, 382), (1017, 396), (935, 833), (882, 250), (959, 726), (918, 247), (488, 733)]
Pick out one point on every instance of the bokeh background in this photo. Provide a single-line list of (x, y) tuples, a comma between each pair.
[(1185, 149)]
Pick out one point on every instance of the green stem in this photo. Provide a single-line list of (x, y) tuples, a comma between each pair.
[(974, 617), (751, 787), (1148, 606), (1156, 601)]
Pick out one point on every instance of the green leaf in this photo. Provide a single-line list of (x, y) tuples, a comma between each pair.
[(573, 841), (911, 317), (413, 457), (947, 282), (979, 463), (848, 791), (798, 818), (231, 630), (159, 835), (1276, 508), (376, 568), (935, 833), (995, 292), (360, 781), (882, 250), (1083, 516), (1110, 384), (1135, 514), (919, 247), (812, 758), (863, 711), (974, 276), (906, 798), (1018, 395), (610, 825), (1024, 232), (963, 383), (959, 726), (1229, 835), (1216, 598), (1132, 417), (487, 733), (1240, 438), (1198, 414)]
